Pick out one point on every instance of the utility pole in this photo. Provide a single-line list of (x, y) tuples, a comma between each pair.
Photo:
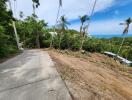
[(14, 26)]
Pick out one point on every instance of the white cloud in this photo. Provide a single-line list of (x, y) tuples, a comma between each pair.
[(71, 8)]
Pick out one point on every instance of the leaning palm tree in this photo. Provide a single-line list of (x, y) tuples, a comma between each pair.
[(125, 32), (60, 5), (83, 27), (14, 26), (83, 19), (35, 5), (63, 26)]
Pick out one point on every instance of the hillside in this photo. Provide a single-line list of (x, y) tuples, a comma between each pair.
[(93, 76)]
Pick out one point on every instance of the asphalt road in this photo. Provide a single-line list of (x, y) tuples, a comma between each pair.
[(31, 76)]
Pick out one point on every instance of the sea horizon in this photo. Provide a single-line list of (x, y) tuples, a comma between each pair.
[(108, 36)]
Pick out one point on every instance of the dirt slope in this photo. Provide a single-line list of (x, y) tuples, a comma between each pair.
[(94, 76)]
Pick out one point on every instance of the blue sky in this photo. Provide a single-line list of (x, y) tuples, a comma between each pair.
[(107, 16)]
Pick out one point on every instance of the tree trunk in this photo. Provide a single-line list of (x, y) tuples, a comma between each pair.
[(16, 35), (54, 26), (110, 44), (81, 29), (121, 45), (33, 8), (82, 42), (60, 42), (51, 43), (24, 41), (37, 41)]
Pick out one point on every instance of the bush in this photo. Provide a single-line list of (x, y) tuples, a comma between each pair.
[(5, 50)]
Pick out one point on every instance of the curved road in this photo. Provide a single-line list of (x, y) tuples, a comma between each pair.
[(31, 76)]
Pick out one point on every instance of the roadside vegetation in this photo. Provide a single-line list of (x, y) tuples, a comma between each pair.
[(35, 33)]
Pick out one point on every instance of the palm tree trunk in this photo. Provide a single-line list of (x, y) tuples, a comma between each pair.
[(51, 43), (81, 28), (16, 35), (37, 38), (82, 42), (110, 44), (24, 40), (33, 8), (60, 41), (37, 41), (55, 25), (121, 44), (14, 26)]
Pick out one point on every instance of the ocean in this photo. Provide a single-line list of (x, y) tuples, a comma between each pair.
[(110, 36)]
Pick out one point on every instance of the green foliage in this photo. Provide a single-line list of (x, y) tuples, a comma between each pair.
[(46, 39), (29, 30), (33, 32), (7, 41)]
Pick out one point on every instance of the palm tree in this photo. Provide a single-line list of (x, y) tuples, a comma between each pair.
[(125, 32), (83, 19), (14, 26), (60, 5), (63, 26), (35, 5), (83, 27)]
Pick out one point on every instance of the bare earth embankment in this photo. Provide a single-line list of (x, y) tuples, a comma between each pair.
[(93, 76)]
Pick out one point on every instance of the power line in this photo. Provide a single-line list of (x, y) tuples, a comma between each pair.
[(92, 12)]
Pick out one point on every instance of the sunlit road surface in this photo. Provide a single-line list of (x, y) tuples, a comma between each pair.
[(31, 76)]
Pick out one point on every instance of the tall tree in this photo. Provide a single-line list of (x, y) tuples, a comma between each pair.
[(35, 5), (7, 41), (33, 26), (125, 32), (83, 27), (63, 26), (83, 19), (60, 5)]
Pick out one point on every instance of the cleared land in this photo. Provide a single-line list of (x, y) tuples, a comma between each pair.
[(93, 76)]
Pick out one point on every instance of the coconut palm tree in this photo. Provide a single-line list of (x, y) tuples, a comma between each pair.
[(35, 5), (14, 26), (60, 5), (83, 19), (125, 32), (63, 26), (83, 27)]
